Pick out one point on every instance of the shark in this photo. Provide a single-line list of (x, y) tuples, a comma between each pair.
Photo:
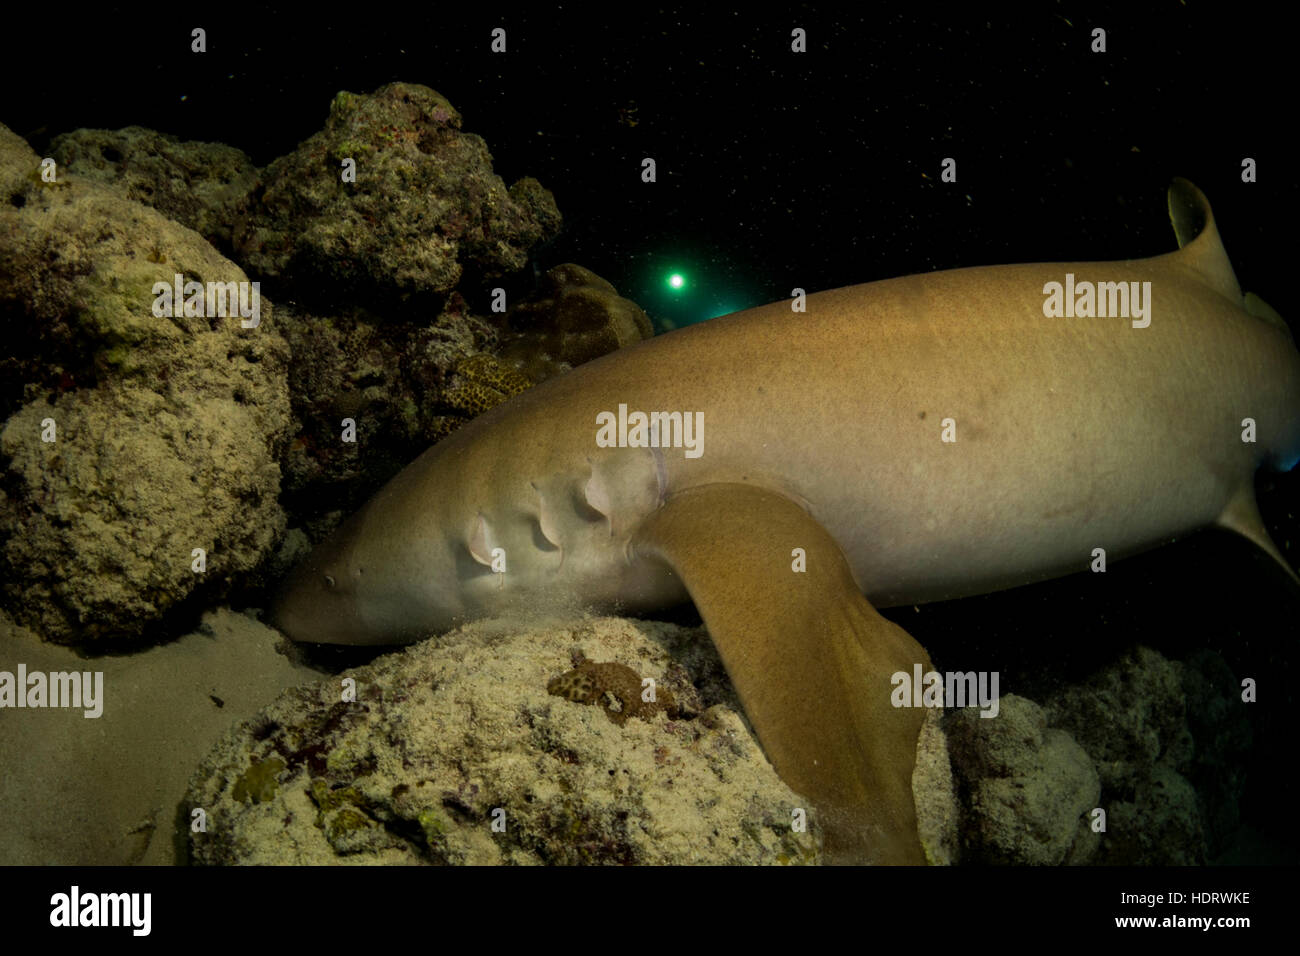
[(902, 441)]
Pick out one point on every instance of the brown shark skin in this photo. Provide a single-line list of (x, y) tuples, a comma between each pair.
[(1072, 434)]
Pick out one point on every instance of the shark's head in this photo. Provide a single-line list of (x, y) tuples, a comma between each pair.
[(318, 602), (375, 581)]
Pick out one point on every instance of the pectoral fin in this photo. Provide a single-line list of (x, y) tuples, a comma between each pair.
[(811, 660)]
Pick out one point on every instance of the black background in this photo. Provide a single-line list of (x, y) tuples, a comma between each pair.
[(775, 169)]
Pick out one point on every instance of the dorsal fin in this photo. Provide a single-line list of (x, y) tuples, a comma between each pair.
[(1198, 238)]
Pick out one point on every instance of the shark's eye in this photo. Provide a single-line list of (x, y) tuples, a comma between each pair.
[(329, 581)]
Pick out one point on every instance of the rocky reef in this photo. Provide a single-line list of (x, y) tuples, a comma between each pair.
[(129, 440), (425, 205), (454, 751), (199, 185), (1102, 772)]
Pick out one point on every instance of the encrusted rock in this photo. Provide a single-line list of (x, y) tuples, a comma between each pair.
[(453, 751), (1128, 741), (1132, 718), (1159, 824), (615, 688), (425, 205), (166, 430), (1129, 716), (1027, 788), (938, 813), (389, 378), (573, 317), (197, 184), (1222, 734)]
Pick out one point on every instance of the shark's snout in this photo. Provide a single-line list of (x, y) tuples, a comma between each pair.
[(318, 601)]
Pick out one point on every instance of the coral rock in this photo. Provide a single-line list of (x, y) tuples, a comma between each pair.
[(1027, 788), (574, 317), (454, 752), (1133, 719), (167, 430), (615, 687), (197, 184), (425, 205)]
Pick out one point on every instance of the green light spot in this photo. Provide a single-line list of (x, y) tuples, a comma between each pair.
[(677, 281)]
